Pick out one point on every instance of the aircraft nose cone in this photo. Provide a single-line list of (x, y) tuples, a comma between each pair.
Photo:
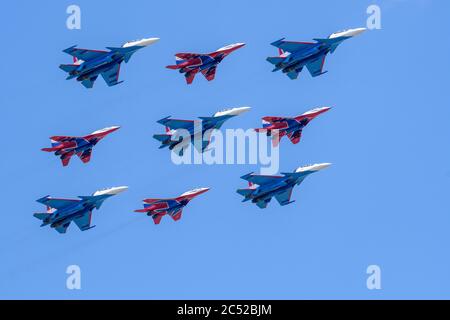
[(114, 128), (232, 111), (357, 31), (118, 190), (111, 191), (149, 41), (203, 190), (323, 166), (241, 110)]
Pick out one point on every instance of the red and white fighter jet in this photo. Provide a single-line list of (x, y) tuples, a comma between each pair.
[(157, 208)]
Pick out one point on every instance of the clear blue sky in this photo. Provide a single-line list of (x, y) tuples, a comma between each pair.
[(384, 201)]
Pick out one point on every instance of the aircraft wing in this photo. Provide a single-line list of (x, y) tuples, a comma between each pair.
[(292, 46), (84, 222), (209, 73), (284, 198), (63, 228), (111, 76), (260, 179), (85, 156), (89, 83), (316, 67), (85, 54), (56, 203)]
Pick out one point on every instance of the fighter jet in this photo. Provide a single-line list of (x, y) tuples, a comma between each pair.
[(89, 64), (65, 146), (293, 56), (61, 212), (277, 127), (191, 63), (199, 131), (157, 208), (263, 188)]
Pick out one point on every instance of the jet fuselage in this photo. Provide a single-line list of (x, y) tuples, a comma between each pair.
[(297, 60), (95, 67), (71, 212)]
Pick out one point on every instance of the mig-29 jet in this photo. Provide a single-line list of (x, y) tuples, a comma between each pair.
[(89, 64), (198, 131), (61, 212), (262, 188), (157, 208), (293, 56), (65, 146), (278, 127), (206, 63)]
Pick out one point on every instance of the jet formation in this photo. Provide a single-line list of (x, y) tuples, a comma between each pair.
[(294, 56), (206, 63), (199, 131), (173, 207), (262, 188), (66, 146), (61, 212), (89, 64), (278, 127)]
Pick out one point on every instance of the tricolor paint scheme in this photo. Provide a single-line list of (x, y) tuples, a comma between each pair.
[(263, 188), (278, 127), (65, 146), (293, 56), (157, 208), (61, 212), (192, 63), (89, 64), (198, 131)]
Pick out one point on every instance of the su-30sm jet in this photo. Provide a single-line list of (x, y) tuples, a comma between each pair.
[(294, 56), (89, 64)]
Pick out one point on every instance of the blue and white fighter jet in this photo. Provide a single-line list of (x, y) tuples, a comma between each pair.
[(294, 56), (61, 212), (263, 188), (89, 64)]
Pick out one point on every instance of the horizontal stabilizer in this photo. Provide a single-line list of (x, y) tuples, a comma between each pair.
[(41, 216), (68, 67), (275, 60), (245, 192), (164, 138)]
